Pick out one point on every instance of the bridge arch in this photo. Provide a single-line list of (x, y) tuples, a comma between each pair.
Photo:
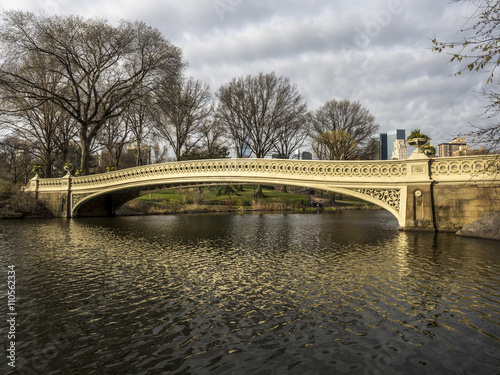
[(422, 193), (387, 199)]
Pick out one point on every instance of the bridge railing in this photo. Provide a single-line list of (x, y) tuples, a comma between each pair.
[(368, 171), (293, 169), (465, 168)]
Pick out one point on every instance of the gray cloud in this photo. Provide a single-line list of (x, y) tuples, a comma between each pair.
[(377, 52)]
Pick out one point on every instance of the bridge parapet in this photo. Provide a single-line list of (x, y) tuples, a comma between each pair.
[(465, 169), (462, 169), (332, 171)]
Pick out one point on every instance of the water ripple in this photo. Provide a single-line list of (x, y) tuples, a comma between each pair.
[(252, 294)]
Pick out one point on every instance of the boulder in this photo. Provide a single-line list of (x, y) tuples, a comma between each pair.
[(487, 227)]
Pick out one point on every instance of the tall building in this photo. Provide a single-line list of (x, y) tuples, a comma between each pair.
[(400, 151), (384, 144), (392, 137), (448, 149)]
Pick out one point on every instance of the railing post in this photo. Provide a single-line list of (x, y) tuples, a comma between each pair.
[(67, 184), (35, 182)]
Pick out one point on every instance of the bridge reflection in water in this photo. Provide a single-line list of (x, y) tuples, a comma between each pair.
[(422, 193)]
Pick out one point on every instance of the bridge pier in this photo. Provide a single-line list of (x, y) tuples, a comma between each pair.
[(458, 204), (420, 208), (57, 203), (448, 207)]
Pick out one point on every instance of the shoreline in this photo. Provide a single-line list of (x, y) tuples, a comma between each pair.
[(138, 208), (123, 212)]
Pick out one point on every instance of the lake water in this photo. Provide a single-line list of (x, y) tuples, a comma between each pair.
[(344, 292)]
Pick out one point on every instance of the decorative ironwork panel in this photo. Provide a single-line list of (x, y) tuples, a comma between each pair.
[(392, 197), (77, 198)]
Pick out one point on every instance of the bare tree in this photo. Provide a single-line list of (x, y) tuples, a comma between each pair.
[(103, 68), (213, 135), (17, 158), (292, 136), (335, 145), (39, 128), (345, 122), (36, 122), (47, 136), (182, 106), (138, 119), (114, 136), (257, 110)]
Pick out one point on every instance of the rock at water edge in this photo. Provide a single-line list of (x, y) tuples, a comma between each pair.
[(487, 227)]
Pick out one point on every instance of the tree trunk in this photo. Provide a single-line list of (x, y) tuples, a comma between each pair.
[(64, 154), (259, 193), (48, 165), (85, 162), (48, 168), (138, 159), (332, 198)]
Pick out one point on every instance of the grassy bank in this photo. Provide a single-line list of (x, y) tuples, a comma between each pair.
[(196, 200)]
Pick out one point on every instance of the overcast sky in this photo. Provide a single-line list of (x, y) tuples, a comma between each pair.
[(377, 52)]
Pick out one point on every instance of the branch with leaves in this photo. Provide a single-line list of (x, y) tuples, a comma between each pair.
[(479, 50), (480, 47)]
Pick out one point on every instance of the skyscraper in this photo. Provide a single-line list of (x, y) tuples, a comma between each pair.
[(400, 151), (392, 136), (383, 146), (386, 142)]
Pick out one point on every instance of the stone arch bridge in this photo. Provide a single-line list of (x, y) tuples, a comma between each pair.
[(424, 193)]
